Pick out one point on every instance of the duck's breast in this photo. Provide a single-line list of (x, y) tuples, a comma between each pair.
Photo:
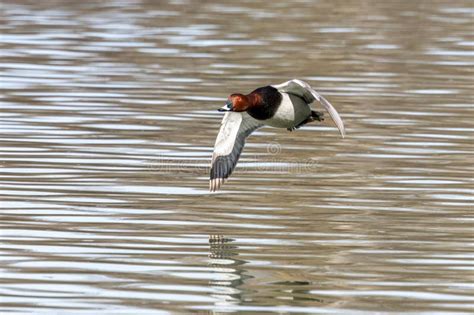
[(292, 111)]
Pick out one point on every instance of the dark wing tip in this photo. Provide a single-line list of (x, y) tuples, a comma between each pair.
[(215, 184), (221, 169)]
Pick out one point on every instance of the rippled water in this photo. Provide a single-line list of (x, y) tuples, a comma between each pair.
[(107, 125)]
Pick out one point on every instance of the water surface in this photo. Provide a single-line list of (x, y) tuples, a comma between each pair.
[(108, 118)]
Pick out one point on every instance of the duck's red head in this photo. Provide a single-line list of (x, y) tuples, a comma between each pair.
[(240, 102)]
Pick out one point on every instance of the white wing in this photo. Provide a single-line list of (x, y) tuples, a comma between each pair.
[(235, 128), (305, 91)]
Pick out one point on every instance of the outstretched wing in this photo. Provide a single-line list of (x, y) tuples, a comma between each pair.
[(235, 128), (305, 91)]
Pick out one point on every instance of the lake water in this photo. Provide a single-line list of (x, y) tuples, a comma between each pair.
[(108, 121)]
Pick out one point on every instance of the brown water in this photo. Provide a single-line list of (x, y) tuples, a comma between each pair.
[(107, 126)]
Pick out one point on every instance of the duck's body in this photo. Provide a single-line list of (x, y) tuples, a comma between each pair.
[(284, 105), (282, 110)]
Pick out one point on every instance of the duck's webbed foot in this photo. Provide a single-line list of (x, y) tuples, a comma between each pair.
[(319, 116)]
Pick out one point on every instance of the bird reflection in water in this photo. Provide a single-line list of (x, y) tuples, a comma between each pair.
[(230, 278), (229, 272)]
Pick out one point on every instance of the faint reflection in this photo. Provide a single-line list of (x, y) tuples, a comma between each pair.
[(296, 291), (231, 274), (227, 287)]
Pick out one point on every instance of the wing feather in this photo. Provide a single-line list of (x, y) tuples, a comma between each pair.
[(235, 128)]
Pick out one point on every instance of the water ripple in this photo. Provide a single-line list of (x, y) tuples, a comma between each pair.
[(108, 118)]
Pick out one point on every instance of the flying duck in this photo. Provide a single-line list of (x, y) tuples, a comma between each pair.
[(285, 105)]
